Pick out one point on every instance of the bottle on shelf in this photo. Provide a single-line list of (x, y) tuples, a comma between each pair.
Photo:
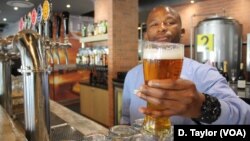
[(85, 56), (233, 75), (221, 68), (92, 57), (216, 65), (105, 26), (241, 79), (84, 30), (90, 30), (225, 72), (213, 64), (78, 58), (105, 56), (96, 29)]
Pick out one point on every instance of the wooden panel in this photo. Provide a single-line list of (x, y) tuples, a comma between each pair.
[(86, 101), (94, 104), (101, 106)]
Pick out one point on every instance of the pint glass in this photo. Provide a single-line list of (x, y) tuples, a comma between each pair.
[(160, 61)]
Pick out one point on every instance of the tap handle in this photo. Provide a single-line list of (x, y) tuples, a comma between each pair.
[(39, 19), (58, 25), (65, 15), (37, 29), (50, 23), (42, 28), (46, 30)]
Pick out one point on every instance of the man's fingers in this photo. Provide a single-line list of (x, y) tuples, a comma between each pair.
[(178, 84), (156, 113), (147, 92), (149, 98)]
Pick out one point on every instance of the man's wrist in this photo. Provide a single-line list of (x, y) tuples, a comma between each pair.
[(210, 109)]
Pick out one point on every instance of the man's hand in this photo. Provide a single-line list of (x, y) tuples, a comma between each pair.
[(174, 97)]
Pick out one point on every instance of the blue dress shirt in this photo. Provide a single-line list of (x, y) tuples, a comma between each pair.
[(207, 80)]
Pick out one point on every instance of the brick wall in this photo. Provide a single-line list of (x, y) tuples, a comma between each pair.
[(122, 38), (123, 53)]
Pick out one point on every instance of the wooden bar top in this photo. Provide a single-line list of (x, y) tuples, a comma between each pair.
[(11, 131), (8, 129)]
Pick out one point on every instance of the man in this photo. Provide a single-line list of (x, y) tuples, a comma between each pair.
[(201, 95)]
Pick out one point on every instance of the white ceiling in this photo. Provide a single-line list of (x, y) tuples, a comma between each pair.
[(78, 7)]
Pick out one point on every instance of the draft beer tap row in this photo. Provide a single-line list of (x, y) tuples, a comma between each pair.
[(43, 21)]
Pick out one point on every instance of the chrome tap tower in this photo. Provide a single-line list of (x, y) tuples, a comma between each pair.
[(7, 52), (36, 92)]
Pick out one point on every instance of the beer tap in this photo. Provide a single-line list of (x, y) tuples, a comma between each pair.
[(44, 24), (39, 24), (57, 42), (66, 43), (12, 52), (1, 46), (35, 82), (7, 53), (40, 29), (48, 39), (2, 73)]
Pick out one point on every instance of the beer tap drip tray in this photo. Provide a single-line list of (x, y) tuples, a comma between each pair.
[(60, 130), (55, 120), (65, 132)]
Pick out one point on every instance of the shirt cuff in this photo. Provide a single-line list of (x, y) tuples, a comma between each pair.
[(225, 114)]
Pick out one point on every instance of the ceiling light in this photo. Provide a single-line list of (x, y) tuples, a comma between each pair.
[(16, 8), (192, 1), (22, 4), (68, 6), (4, 19)]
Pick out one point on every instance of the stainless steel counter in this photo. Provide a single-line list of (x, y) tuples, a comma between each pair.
[(11, 130)]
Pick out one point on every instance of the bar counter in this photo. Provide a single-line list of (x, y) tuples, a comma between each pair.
[(81, 123), (10, 130)]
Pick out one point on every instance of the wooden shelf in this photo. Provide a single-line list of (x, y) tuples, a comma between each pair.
[(101, 37)]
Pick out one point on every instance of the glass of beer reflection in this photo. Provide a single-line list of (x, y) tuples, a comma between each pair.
[(160, 61)]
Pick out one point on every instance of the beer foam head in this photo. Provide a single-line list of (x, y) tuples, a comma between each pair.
[(163, 53)]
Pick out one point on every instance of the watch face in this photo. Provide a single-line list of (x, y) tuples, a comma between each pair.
[(46, 10), (210, 109)]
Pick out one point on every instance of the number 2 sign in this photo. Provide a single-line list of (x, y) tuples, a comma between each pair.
[(205, 42)]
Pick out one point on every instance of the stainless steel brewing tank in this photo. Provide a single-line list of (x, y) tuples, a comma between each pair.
[(219, 39)]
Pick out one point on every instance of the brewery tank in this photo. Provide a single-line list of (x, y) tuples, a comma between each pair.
[(218, 39)]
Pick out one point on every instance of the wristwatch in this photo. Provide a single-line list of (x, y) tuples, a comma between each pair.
[(210, 110)]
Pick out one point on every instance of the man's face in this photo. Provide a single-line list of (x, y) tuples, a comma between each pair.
[(163, 25)]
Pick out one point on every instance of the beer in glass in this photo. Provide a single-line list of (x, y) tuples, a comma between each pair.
[(161, 60)]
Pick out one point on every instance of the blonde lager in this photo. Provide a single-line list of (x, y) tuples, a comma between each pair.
[(160, 61)]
